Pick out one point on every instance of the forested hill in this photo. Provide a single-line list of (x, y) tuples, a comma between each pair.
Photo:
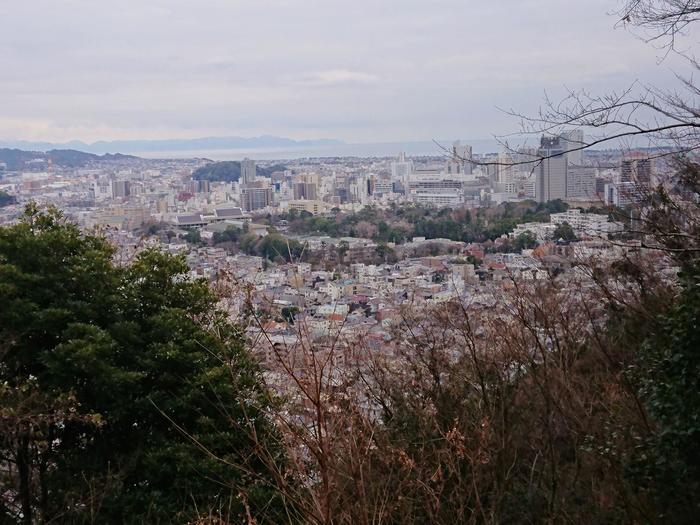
[(230, 171), (17, 159)]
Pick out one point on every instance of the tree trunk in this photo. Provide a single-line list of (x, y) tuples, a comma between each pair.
[(25, 492)]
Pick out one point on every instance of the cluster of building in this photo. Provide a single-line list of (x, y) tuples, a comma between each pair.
[(369, 301), (557, 169), (127, 192), (582, 224), (134, 200)]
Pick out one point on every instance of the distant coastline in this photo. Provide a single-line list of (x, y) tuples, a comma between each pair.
[(385, 149), (265, 147)]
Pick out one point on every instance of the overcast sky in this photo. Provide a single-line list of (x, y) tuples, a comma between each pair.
[(360, 70)]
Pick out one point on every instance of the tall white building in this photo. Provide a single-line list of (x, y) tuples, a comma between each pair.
[(401, 170)]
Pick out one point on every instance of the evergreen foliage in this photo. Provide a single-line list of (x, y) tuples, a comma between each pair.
[(126, 395)]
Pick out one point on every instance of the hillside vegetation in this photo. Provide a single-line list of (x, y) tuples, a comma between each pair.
[(229, 171), (17, 159)]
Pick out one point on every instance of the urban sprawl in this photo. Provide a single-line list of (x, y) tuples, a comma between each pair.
[(343, 244)]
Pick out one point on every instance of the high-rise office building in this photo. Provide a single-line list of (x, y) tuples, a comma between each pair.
[(622, 194), (311, 178), (571, 140), (580, 182), (121, 188), (360, 189), (551, 172), (525, 157), (637, 168), (198, 186), (401, 170), (460, 163), (305, 190), (382, 186), (502, 169), (255, 196), (247, 171)]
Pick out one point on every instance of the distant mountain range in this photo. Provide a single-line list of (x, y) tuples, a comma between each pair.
[(138, 146)]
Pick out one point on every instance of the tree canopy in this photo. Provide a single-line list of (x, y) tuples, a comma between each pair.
[(125, 394), (6, 199), (565, 232), (400, 224), (229, 171)]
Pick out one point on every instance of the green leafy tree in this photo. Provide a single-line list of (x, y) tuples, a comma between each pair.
[(125, 395), (230, 234), (6, 199), (525, 241), (247, 243), (289, 312), (277, 246), (564, 231), (343, 249), (668, 375), (193, 237), (385, 253)]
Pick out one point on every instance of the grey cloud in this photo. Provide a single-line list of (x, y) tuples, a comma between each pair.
[(336, 77), (356, 70)]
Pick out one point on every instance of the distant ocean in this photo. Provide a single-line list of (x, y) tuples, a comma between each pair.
[(385, 149)]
